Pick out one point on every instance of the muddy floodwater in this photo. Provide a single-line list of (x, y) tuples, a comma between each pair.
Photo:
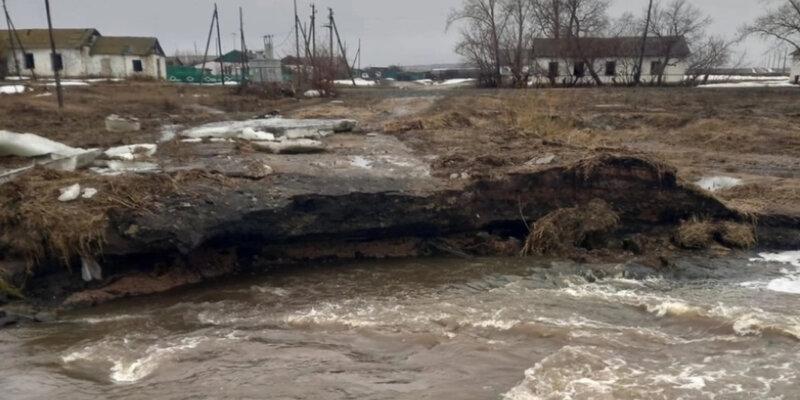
[(431, 329)]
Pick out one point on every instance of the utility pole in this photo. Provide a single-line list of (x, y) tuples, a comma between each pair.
[(296, 32), (341, 48), (313, 33), (208, 46), (637, 77), (330, 47), (59, 90), (219, 47), (245, 75), (13, 48)]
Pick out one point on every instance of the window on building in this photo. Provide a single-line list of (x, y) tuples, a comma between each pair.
[(579, 70), (611, 68), (29, 61), (552, 70), (656, 68), (58, 62), (137, 66)]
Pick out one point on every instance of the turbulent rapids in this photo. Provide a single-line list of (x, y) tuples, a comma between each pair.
[(439, 328)]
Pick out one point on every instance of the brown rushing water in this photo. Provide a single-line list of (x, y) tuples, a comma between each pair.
[(428, 329)]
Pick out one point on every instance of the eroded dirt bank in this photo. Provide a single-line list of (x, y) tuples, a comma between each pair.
[(425, 175)]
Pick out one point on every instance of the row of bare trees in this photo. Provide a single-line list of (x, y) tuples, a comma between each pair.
[(498, 35), (780, 22)]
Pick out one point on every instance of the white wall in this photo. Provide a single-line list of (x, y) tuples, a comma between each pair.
[(675, 71), (795, 77), (79, 64), (73, 61), (153, 66)]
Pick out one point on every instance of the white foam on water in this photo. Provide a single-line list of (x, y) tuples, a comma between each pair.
[(129, 372), (128, 363), (361, 162), (791, 282), (103, 320), (745, 321)]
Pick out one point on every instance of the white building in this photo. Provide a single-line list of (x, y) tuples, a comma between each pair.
[(795, 76), (613, 60), (81, 53)]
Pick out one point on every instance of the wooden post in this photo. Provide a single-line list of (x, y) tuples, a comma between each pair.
[(13, 48), (59, 90), (331, 58), (208, 45), (245, 72), (637, 77), (219, 48), (341, 48), (296, 31)]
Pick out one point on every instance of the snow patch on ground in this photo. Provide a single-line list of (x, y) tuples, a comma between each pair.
[(782, 83), (12, 89), (359, 82), (448, 82), (716, 183)]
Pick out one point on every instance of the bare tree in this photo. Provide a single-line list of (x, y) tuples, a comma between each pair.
[(586, 18), (486, 21), (714, 52), (550, 16), (671, 22), (781, 23), (517, 43)]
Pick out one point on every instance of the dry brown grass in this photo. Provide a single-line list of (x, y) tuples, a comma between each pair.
[(10, 291), (702, 234), (562, 230), (736, 235), (695, 234), (36, 226)]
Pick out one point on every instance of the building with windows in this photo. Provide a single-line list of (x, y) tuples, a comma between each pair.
[(80, 53), (795, 74), (611, 60)]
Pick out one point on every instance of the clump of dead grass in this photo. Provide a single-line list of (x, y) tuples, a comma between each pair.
[(10, 291), (445, 120), (697, 234), (36, 226), (563, 230), (588, 168), (736, 235)]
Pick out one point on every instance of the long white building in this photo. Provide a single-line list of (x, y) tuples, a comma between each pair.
[(81, 53), (614, 60)]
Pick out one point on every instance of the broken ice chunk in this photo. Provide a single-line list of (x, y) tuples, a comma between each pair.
[(70, 193)]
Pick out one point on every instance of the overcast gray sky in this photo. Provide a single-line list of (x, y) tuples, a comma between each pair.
[(392, 32)]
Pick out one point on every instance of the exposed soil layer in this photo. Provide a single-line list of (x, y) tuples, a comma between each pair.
[(462, 173)]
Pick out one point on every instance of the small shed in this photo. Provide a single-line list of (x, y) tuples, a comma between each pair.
[(795, 75)]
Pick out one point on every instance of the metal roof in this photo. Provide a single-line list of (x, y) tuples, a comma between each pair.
[(40, 38), (79, 38), (123, 45)]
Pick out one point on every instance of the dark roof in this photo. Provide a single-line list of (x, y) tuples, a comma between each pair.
[(796, 52), (187, 59), (591, 47), (40, 38), (121, 45), (234, 56)]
